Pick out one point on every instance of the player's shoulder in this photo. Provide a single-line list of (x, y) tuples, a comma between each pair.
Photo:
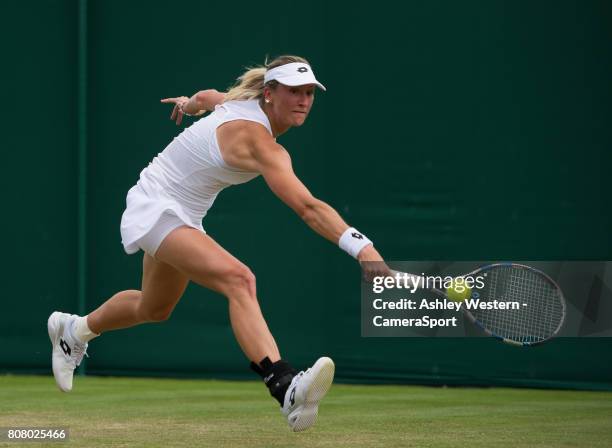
[(249, 131)]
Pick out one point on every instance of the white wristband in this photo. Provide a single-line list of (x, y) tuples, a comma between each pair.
[(352, 241)]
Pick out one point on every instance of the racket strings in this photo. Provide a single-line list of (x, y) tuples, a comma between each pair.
[(540, 310)]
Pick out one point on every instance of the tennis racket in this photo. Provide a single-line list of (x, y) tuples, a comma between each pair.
[(541, 310)]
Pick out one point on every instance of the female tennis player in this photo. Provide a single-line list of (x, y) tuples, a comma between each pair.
[(163, 217)]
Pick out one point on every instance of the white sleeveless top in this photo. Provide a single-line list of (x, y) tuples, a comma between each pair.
[(186, 177)]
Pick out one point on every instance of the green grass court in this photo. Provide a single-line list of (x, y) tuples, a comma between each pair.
[(135, 412)]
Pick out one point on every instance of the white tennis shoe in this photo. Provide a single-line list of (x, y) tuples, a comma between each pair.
[(67, 352), (307, 389)]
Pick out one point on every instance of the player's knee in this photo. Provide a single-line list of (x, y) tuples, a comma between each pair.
[(150, 312), (240, 282), (155, 314)]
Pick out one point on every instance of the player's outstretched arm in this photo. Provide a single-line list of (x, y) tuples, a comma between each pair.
[(274, 163)]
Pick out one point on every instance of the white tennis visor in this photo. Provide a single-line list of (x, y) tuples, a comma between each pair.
[(293, 74)]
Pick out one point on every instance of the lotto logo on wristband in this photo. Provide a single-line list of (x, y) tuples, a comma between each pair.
[(352, 241)]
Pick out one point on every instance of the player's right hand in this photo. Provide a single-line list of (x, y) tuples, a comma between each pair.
[(372, 264)]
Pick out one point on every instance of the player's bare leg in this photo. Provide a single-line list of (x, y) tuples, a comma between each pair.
[(162, 287), (207, 263)]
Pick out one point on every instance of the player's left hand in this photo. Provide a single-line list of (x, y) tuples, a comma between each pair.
[(177, 112)]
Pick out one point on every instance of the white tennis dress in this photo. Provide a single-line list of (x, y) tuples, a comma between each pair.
[(180, 185)]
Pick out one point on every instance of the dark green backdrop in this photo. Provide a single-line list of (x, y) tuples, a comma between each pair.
[(450, 130)]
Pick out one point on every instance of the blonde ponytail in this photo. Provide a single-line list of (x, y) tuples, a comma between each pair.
[(249, 85)]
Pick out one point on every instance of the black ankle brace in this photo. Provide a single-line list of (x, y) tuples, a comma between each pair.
[(276, 376)]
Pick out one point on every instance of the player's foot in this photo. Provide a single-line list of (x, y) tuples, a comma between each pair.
[(67, 352), (307, 389)]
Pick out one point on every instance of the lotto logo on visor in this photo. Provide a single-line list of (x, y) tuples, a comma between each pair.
[(294, 74)]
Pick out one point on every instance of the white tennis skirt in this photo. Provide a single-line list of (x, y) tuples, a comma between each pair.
[(149, 217)]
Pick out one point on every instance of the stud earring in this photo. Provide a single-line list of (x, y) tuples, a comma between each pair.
[(267, 100)]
